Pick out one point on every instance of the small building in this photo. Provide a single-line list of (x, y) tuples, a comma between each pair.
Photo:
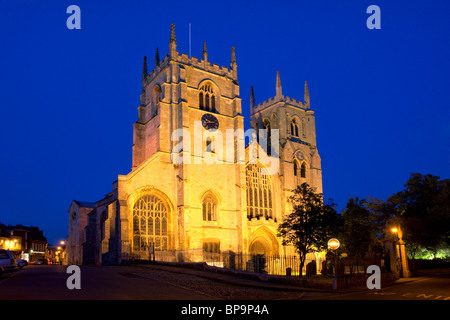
[(27, 243)]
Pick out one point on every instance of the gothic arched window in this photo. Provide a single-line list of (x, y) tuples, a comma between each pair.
[(213, 103), (209, 207), (155, 99), (268, 136), (207, 101), (207, 98), (303, 127), (295, 167), (259, 193), (294, 128), (201, 101), (150, 220), (303, 170)]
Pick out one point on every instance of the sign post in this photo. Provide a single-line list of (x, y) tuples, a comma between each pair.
[(334, 244)]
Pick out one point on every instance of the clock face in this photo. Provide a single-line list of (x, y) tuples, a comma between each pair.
[(210, 122), (300, 155)]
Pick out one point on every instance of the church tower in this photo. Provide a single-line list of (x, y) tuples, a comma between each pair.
[(299, 158), (186, 106)]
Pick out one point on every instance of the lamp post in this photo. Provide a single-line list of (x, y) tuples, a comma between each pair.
[(334, 244), (401, 251)]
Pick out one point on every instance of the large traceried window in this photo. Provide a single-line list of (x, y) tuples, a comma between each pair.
[(209, 207), (150, 217), (259, 193)]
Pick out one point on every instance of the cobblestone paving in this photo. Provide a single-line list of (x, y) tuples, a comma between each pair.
[(216, 289)]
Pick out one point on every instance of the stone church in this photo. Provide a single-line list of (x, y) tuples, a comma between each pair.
[(195, 205)]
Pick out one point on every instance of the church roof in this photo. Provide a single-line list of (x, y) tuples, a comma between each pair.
[(85, 204)]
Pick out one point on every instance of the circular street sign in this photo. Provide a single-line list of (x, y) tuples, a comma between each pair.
[(333, 244)]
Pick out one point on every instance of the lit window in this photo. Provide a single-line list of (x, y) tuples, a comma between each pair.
[(259, 193), (150, 217), (209, 207)]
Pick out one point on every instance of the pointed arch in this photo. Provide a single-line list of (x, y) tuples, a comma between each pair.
[(303, 170), (268, 127), (303, 127), (209, 206), (294, 127), (263, 241), (259, 193), (295, 168), (201, 101), (209, 94), (150, 220)]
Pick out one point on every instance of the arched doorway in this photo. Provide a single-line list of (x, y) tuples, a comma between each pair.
[(260, 246)]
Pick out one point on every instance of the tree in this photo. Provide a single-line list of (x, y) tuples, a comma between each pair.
[(424, 210), (359, 230), (310, 224)]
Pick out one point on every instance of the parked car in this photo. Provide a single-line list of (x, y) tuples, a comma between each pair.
[(41, 261), (7, 261), (22, 263)]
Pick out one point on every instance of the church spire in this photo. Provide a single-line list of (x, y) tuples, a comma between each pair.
[(157, 58), (306, 96), (173, 41), (279, 93), (144, 68), (233, 59), (252, 101), (204, 53)]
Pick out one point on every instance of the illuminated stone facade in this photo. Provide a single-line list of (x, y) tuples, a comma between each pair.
[(223, 206)]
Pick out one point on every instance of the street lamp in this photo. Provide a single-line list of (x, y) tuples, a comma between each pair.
[(401, 251)]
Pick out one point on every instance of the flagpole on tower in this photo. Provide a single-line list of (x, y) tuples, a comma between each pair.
[(189, 40)]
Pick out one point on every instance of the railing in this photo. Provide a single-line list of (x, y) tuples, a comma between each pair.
[(270, 264)]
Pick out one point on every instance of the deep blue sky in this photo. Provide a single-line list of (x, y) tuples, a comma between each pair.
[(69, 97)]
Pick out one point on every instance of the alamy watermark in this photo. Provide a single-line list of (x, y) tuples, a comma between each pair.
[(374, 20), (74, 280), (74, 20), (374, 280), (212, 147)]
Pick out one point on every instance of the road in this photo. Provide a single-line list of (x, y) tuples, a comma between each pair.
[(106, 283), (152, 283), (433, 287), (125, 283)]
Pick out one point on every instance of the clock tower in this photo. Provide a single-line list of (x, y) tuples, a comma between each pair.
[(186, 107)]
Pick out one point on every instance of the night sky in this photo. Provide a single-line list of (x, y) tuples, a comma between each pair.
[(69, 97)]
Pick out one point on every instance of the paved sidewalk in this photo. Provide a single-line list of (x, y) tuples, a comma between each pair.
[(239, 278), (271, 282)]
